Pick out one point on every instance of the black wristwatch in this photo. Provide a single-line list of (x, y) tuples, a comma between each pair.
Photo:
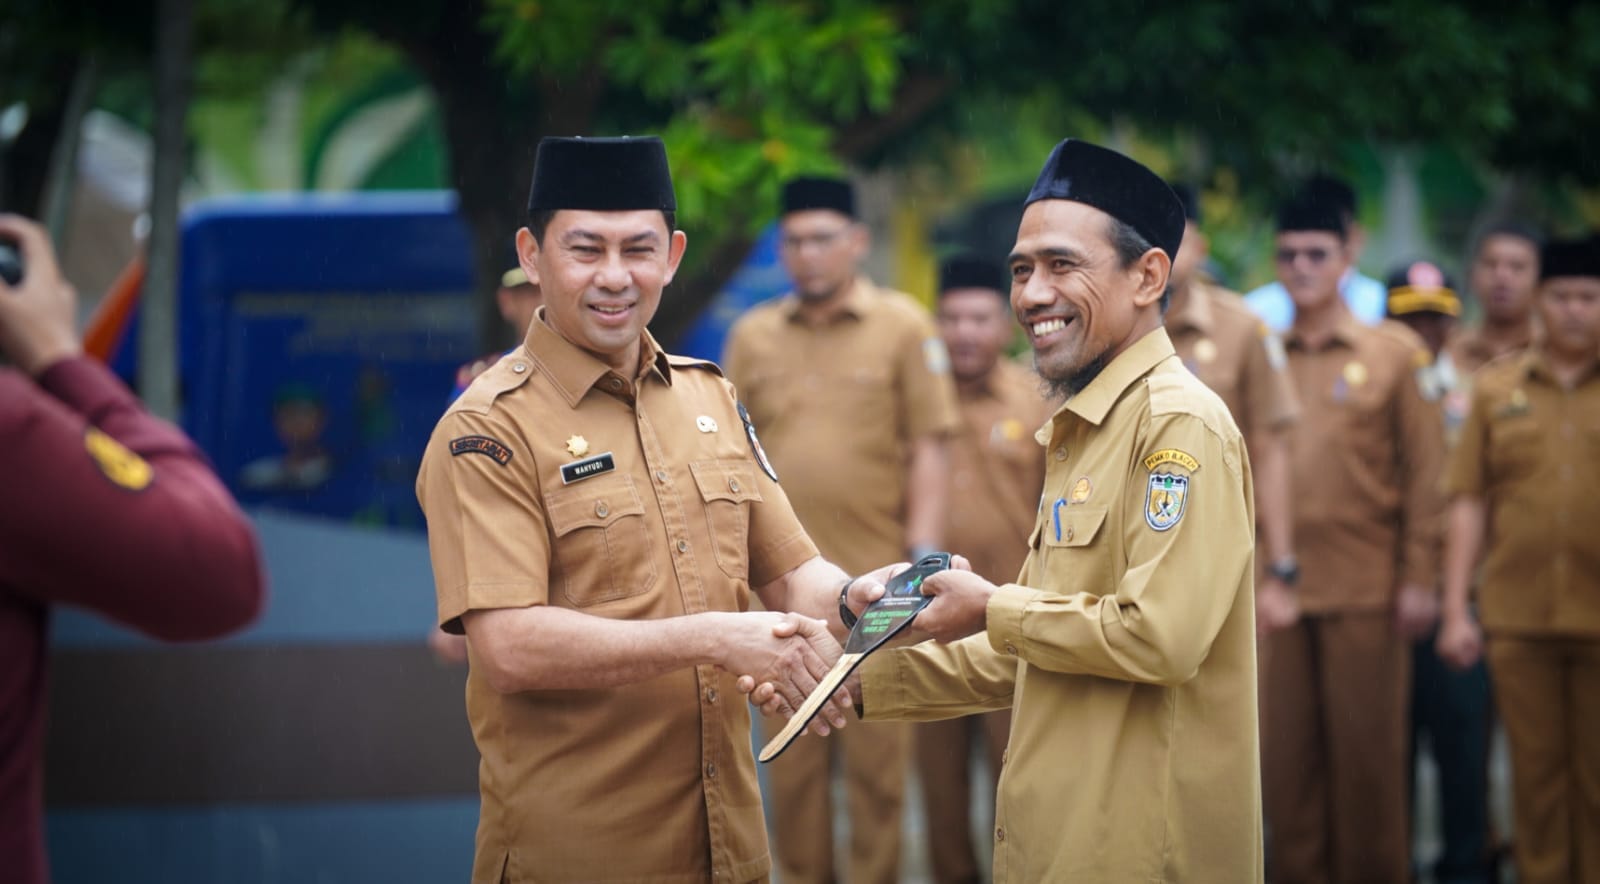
[(846, 616), (1285, 570)]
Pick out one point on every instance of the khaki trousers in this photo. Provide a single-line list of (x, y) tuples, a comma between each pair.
[(1548, 692), (1335, 751), (944, 767), (802, 803)]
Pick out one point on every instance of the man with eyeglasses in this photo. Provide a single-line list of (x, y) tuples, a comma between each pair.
[(1364, 465), (850, 386), (1366, 297)]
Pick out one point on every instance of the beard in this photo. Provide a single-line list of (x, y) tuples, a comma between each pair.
[(1072, 384)]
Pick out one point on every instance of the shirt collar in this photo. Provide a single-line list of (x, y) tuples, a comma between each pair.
[(1197, 311), (575, 370), (1536, 366), (1347, 331), (857, 301), (1094, 402)]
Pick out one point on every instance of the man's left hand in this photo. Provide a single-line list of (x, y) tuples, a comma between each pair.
[(1416, 608), (960, 605)]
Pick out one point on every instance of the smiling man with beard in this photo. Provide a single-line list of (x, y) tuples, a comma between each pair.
[(1126, 648)]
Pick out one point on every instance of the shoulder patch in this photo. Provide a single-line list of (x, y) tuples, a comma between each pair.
[(1171, 456), (491, 448), (125, 469), (936, 356), (755, 444)]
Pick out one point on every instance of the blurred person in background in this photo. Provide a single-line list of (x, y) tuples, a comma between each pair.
[(1450, 710), (850, 385), (105, 508), (1365, 458), (519, 301), (1364, 295), (1232, 351), (996, 476), (1505, 281), (1522, 481)]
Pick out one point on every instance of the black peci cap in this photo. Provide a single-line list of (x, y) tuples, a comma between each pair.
[(971, 271), (602, 174), (1570, 257), (813, 192), (1114, 184)]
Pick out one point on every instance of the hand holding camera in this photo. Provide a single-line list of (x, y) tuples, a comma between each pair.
[(38, 308)]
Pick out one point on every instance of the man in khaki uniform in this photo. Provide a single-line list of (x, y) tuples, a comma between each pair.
[(1505, 280), (850, 385), (599, 514), (1126, 650), (1233, 352), (1449, 710), (996, 475), (1522, 480), (1365, 465)]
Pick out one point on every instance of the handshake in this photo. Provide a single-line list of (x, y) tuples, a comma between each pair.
[(781, 659)]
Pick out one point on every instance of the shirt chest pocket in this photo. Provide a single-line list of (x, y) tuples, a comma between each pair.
[(1516, 446), (602, 549), (727, 488), (1071, 527)]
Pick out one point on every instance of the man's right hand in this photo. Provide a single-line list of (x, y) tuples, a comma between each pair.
[(38, 317), (1277, 606), (789, 651), (1460, 641)]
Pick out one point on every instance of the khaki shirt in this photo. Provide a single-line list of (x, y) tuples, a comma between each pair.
[(1365, 461), (996, 472), (1470, 350), (838, 406), (1529, 450), (1233, 352), (1127, 650), (646, 782)]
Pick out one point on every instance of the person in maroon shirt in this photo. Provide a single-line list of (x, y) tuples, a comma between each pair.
[(104, 507)]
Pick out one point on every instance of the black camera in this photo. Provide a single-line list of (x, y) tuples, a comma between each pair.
[(10, 261)]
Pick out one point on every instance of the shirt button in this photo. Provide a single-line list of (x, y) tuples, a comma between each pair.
[(1000, 834), (733, 485), (711, 770), (711, 695), (661, 475), (616, 383), (1061, 453), (519, 368), (1069, 532), (1011, 649), (683, 546), (601, 510)]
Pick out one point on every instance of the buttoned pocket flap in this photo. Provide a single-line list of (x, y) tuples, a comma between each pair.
[(593, 503), (729, 480), (1072, 525)]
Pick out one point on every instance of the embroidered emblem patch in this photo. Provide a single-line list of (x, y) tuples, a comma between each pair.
[(491, 448), (125, 469), (1165, 498), (1081, 490), (1273, 344), (755, 444), (1171, 455)]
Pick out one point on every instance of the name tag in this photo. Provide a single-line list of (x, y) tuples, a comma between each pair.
[(587, 468)]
